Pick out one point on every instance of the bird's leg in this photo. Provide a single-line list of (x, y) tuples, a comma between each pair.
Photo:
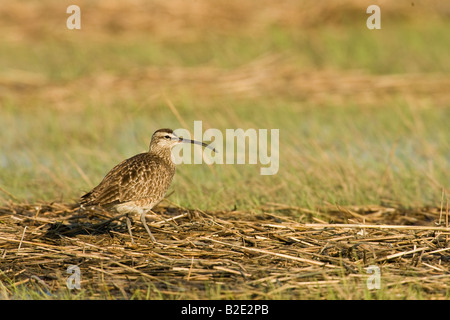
[(144, 222), (129, 227)]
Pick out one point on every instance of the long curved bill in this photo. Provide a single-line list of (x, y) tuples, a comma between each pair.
[(199, 143)]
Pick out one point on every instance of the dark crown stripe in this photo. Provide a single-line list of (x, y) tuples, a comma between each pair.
[(164, 130)]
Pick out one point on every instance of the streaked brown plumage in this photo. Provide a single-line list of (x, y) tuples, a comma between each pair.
[(139, 183)]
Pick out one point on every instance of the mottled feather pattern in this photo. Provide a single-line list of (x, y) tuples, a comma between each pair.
[(145, 177)]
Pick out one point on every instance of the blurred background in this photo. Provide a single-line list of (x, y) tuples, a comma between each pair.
[(363, 114)]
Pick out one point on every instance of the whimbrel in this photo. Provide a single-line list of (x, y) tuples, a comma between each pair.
[(137, 184)]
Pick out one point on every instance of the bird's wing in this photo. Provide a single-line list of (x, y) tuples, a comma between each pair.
[(137, 181), (111, 188), (133, 179)]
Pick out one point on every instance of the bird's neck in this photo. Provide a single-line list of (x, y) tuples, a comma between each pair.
[(162, 153)]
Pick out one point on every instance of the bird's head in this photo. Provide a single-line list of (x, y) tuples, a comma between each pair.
[(165, 139)]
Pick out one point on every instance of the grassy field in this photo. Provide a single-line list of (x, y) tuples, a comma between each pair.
[(363, 114)]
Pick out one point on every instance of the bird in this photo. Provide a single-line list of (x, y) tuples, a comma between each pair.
[(139, 183)]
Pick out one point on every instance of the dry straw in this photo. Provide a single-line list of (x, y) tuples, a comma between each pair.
[(264, 254)]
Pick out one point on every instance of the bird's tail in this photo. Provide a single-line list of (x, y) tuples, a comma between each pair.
[(86, 199)]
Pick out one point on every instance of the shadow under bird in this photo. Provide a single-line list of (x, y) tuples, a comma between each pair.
[(137, 184)]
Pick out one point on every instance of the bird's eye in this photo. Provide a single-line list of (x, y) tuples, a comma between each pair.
[(167, 137)]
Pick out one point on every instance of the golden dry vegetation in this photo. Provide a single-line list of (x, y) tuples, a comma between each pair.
[(364, 148)]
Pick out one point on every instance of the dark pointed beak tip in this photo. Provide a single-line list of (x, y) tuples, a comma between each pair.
[(210, 147), (199, 143)]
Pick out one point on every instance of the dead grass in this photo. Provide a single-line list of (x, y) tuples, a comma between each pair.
[(278, 251), (187, 20), (282, 252), (271, 75)]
